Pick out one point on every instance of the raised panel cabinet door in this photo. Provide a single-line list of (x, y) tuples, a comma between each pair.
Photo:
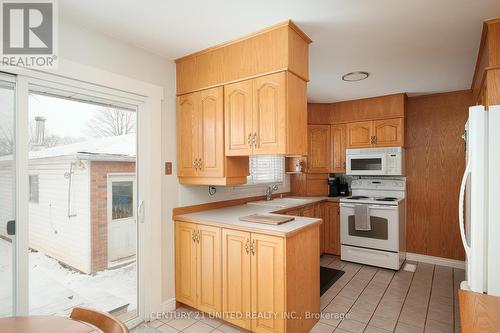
[(389, 132), (332, 228), (308, 211), (359, 134), (338, 148), (209, 269), (238, 117), (319, 212), (268, 283), (269, 114), (236, 277), (319, 147), (185, 263), (187, 134), (211, 144)]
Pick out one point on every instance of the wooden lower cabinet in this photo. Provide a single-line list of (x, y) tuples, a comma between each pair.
[(256, 279), (236, 277), (198, 266), (332, 228)]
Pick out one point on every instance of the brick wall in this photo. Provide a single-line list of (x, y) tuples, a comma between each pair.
[(99, 208)]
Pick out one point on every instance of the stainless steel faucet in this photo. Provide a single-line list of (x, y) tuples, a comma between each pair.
[(269, 191)]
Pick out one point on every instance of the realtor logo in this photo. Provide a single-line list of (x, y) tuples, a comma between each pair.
[(29, 33)]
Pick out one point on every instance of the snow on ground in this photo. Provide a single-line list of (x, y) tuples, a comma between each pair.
[(56, 290)]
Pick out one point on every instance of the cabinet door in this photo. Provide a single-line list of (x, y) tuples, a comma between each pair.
[(185, 263), (389, 132), (238, 114), (308, 211), (211, 135), (332, 228), (209, 270), (268, 284), (320, 213), (319, 156), (359, 134), (338, 148), (269, 114), (236, 277), (187, 134)]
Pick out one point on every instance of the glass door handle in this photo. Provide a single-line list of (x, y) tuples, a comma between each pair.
[(11, 227), (141, 211)]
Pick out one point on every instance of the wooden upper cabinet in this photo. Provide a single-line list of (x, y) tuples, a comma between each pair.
[(187, 134), (359, 134), (280, 47), (238, 109), (377, 133), (389, 132), (269, 114), (319, 143), (261, 118), (338, 133), (268, 279), (211, 138)]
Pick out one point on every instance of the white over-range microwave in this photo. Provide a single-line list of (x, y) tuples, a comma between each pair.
[(375, 161)]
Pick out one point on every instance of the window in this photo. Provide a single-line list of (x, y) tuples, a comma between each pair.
[(266, 169), (33, 180), (123, 199)]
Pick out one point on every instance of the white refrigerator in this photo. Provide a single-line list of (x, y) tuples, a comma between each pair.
[(479, 201)]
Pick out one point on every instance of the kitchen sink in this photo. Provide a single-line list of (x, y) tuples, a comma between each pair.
[(281, 202)]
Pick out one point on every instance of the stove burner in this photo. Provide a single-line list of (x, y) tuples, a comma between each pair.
[(386, 199), (357, 197)]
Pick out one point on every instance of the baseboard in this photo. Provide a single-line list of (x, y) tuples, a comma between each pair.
[(435, 260), (168, 305)]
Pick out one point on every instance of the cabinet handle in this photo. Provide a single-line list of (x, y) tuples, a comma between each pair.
[(374, 139), (249, 140), (255, 140), (198, 236), (252, 247), (247, 245), (200, 163), (195, 165), (193, 236)]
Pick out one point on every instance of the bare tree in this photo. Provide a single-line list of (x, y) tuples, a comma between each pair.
[(112, 122), (6, 142)]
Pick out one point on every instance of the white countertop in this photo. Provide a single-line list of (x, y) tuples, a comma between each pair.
[(229, 216)]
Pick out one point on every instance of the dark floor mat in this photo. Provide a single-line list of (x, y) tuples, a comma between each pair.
[(327, 278)]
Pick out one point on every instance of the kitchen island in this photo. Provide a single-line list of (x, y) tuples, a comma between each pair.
[(261, 277)]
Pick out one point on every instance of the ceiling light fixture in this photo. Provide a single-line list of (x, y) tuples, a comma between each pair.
[(355, 76)]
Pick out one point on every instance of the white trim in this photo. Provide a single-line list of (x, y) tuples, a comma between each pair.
[(435, 260), (22, 197), (169, 305)]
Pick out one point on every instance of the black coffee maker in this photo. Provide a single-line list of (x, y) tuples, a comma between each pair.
[(337, 187)]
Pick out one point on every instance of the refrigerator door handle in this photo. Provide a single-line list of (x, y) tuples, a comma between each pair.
[(461, 222)]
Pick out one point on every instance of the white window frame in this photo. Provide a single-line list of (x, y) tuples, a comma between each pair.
[(99, 83), (37, 189)]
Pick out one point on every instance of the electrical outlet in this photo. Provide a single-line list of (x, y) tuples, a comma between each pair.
[(168, 168)]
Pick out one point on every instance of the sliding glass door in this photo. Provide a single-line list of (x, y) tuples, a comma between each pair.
[(7, 196), (77, 238)]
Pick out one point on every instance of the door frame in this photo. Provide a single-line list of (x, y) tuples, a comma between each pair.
[(99, 83), (120, 177)]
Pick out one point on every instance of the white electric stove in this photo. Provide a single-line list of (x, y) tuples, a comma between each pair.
[(384, 243)]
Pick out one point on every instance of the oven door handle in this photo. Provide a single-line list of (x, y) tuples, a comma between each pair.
[(382, 207)]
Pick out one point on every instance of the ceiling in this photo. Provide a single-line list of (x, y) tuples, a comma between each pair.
[(418, 47)]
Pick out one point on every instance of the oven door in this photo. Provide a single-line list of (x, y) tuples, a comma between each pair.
[(384, 233), (369, 164)]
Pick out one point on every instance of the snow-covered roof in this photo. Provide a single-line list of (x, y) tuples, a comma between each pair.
[(108, 147)]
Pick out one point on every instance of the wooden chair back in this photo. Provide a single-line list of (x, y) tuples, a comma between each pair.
[(101, 320)]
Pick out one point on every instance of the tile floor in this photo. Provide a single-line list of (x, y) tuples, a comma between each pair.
[(368, 299)]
